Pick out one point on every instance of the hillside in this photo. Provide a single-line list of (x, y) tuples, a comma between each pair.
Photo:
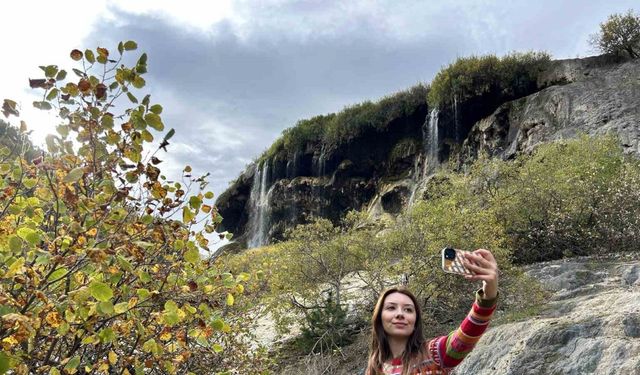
[(383, 168)]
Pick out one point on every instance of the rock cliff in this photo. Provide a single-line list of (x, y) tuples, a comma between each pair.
[(383, 170), (591, 324)]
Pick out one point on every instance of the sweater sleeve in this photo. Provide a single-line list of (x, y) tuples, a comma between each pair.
[(449, 351)]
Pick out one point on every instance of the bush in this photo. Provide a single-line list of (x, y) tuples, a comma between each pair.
[(100, 265), (568, 198), (506, 78), (620, 34)]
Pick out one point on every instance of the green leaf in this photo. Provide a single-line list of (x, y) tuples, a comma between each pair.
[(61, 75), (73, 175), (144, 277), (187, 215), (100, 291), (143, 293), (120, 47), (146, 136), (149, 345), (138, 82), (107, 335), (208, 195), (88, 54), (195, 202), (45, 106), (130, 45), (73, 363), (217, 348), (55, 275), (105, 308), (142, 60), (14, 267), (156, 108), (154, 121), (54, 371), (5, 362), (132, 98), (52, 94), (170, 305), (107, 121), (50, 71), (192, 256), (178, 245), (121, 307), (217, 324), (15, 244)]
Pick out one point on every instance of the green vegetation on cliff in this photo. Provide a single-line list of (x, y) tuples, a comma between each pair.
[(334, 129), (504, 78)]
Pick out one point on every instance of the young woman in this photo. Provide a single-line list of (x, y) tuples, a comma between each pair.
[(397, 344)]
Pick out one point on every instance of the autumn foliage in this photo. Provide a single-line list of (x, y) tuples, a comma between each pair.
[(100, 262)]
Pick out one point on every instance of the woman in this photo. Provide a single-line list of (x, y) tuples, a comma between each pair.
[(397, 343)]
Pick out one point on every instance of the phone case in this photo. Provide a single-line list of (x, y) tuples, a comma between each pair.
[(455, 265)]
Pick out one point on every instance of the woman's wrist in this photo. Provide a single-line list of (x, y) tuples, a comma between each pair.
[(489, 290)]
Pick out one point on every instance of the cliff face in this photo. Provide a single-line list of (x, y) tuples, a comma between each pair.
[(383, 171), (591, 96)]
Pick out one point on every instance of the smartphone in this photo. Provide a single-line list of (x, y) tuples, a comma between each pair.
[(452, 261)]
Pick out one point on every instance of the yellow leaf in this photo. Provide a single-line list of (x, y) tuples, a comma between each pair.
[(92, 232), (113, 357), (133, 301), (166, 336), (14, 268), (103, 368), (53, 318), (230, 299)]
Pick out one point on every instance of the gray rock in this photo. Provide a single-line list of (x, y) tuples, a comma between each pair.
[(596, 331)]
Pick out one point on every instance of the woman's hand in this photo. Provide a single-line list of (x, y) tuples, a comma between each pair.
[(485, 267)]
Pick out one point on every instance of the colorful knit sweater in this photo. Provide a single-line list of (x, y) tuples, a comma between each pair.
[(445, 352)]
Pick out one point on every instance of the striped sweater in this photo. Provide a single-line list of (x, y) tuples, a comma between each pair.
[(446, 352)]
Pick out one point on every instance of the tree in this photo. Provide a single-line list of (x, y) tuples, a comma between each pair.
[(100, 266), (619, 34)]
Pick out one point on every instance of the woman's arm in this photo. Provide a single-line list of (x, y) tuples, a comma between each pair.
[(449, 351)]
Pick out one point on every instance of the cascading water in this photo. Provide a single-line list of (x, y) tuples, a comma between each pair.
[(259, 207), (456, 127), (320, 163), (433, 137), (292, 165), (430, 159)]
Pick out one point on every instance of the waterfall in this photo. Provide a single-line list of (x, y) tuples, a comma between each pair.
[(259, 207), (425, 164), (292, 165), (455, 118), (433, 137), (320, 163)]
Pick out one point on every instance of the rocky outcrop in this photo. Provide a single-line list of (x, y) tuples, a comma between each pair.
[(591, 96), (590, 326), (382, 170)]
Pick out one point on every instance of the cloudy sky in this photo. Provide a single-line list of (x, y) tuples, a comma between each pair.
[(232, 75)]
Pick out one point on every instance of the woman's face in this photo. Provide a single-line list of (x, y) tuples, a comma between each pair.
[(398, 315)]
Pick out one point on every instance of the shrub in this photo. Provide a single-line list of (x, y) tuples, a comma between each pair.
[(100, 265), (620, 34), (505, 78), (568, 198)]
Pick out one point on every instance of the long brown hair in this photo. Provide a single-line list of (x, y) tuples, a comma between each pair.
[(379, 350)]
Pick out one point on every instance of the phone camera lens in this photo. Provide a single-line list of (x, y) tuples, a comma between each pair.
[(449, 253)]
